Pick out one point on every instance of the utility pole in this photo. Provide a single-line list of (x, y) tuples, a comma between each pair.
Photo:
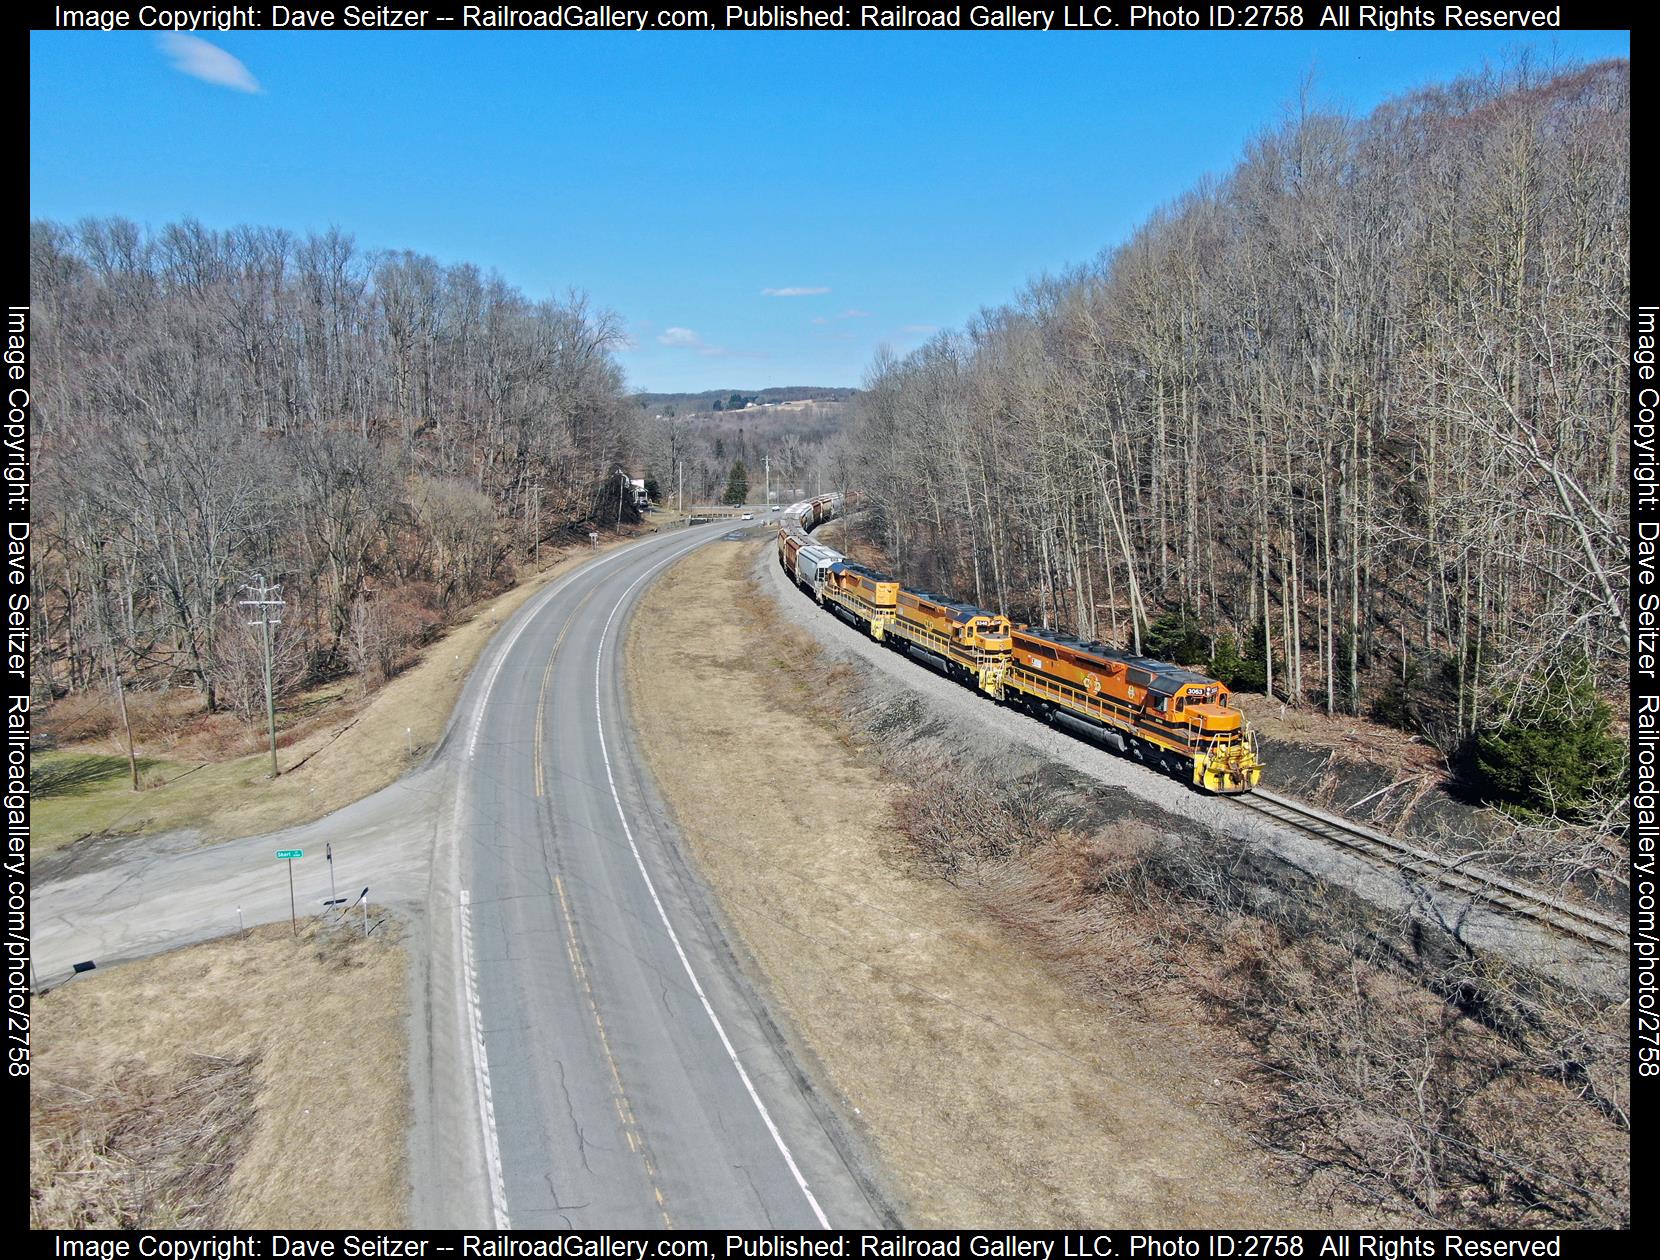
[(536, 526), (767, 461), (265, 598), (682, 495), (622, 489)]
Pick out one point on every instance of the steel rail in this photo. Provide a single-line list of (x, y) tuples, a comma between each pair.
[(1450, 872)]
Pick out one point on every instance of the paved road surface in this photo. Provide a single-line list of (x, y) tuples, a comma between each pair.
[(631, 1081), (591, 1053)]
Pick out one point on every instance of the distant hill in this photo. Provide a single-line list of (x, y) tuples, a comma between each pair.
[(711, 400), (782, 435)]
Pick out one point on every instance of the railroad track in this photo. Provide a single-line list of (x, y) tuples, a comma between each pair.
[(1449, 872)]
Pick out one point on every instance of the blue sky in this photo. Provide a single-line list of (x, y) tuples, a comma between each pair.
[(900, 181)]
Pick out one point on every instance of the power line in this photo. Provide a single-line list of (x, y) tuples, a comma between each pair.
[(265, 599)]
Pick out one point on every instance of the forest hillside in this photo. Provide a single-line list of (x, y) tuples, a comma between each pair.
[(1346, 426), (379, 433)]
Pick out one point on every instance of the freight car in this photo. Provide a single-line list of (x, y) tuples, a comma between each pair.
[(1162, 715), (812, 567)]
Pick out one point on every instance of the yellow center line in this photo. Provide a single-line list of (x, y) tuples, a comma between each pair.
[(619, 1097), (547, 674), (579, 966)]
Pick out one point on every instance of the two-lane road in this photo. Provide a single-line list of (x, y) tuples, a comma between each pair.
[(586, 1051), (623, 1075)]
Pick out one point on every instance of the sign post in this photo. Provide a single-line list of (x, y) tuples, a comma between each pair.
[(328, 852), (288, 855)]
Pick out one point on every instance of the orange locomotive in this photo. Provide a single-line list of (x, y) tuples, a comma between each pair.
[(1162, 714), (868, 598), (971, 643)]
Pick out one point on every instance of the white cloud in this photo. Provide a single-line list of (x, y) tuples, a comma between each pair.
[(851, 313), (207, 62), (686, 339), (796, 291)]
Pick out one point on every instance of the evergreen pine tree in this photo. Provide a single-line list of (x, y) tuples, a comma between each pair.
[(737, 485), (1555, 753)]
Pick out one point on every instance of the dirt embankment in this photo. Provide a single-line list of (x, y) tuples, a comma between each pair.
[(995, 1091), (1130, 1023), (1401, 784), (253, 1081)]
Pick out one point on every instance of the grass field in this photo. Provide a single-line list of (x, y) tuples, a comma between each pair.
[(254, 1081), (79, 794), (993, 1089)]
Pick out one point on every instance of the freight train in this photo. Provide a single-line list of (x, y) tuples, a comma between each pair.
[(1162, 715)]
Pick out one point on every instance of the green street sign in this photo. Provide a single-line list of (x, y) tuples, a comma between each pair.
[(290, 853)]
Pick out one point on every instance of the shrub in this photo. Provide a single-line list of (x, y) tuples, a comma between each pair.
[(1553, 755), (1175, 637), (1241, 673)]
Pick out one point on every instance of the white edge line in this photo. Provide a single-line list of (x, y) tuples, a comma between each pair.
[(480, 1052), (481, 1070), (674, 939)]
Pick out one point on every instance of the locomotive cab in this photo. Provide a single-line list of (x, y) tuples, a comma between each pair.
[(989, 633), (987, 639), (1206, 708), (969, 643), (1225, 758)]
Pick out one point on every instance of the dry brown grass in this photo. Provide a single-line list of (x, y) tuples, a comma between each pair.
[(252, 1081), (1396, 1076), (994, 1089), (147, 1149), (1393, 1081), (1393, 1076), (1459, 1092), (1349, 738), (335, 746)]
